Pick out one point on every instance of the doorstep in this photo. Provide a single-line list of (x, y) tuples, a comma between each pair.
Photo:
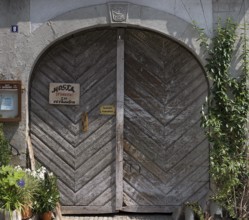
[(121, 217)]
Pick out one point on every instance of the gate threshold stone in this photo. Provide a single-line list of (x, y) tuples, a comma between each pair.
[(121, 217)]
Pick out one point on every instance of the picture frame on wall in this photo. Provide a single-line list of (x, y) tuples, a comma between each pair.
[(10, 100)]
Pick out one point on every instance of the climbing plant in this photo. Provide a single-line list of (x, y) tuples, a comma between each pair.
[(224, 117)]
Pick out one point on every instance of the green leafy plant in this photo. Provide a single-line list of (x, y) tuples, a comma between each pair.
[(224, 118), (17, 189), (29, 188), (48, 193), (198, 212), (5, 152), (11, 183)]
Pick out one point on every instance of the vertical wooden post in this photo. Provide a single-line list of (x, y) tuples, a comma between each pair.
[(119, 119), (30, 150)]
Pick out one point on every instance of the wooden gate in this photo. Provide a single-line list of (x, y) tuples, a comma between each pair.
[(165, 151), (149, 157)]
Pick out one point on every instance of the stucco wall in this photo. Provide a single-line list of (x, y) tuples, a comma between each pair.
[(198, 10), (12, 63), (41, 23)]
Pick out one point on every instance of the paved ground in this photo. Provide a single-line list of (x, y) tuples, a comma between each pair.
[(120, 217)]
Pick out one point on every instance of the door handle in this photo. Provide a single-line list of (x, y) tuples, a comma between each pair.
[(84, 121)]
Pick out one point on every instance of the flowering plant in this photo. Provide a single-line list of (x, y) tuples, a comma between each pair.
[(47, 192), (29, 184), (11, 184), (17, 188)]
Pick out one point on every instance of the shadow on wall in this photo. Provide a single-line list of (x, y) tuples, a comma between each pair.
[(12, 12)]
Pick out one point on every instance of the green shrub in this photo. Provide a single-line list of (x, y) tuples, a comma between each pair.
[(226, 119), (11, 183), (5, 152), (48, 194)]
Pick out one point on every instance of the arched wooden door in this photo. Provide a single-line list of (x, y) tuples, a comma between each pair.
[(152, 155)]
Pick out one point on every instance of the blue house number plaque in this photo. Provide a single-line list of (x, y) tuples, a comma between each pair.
[(14, 28)]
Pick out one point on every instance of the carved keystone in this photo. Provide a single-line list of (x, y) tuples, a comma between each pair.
[(118, 12)]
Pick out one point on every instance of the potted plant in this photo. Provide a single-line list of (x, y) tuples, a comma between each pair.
[(17, 190), (11, 183), (47, 195)]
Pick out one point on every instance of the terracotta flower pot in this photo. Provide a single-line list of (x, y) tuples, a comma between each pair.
[(46, 216), (26, 212)]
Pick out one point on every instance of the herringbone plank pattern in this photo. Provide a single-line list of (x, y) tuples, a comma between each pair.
[(165, 151), (83, 162)]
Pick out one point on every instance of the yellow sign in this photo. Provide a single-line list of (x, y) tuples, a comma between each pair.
[(107, 110)]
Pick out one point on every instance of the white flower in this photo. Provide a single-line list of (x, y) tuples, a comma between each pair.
[(34, 174), (18, 168), (28, 171)]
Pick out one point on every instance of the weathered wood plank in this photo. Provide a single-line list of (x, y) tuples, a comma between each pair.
[(94, 129), (151, 209), (107, 196), (93, 143), (92, 189), (132, 164), (142, 185), (67, 195), (143, 48), (120, 119), (146, 162), (51, 133), (152, 84), (188, 165), (128, 201), (138, 137), (88, 209), (98, 71), (92, 37), (148, 102), (131, 192), (51, 119), (90, 168), (200, 194), (144, 120), (53, 162), (58, 149), (98, 50)]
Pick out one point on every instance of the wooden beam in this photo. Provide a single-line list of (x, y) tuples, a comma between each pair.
[(72, 210), (151, 209), (119, 119), (30, 150)]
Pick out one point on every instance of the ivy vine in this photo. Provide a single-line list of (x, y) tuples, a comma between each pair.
[(224, 117)]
